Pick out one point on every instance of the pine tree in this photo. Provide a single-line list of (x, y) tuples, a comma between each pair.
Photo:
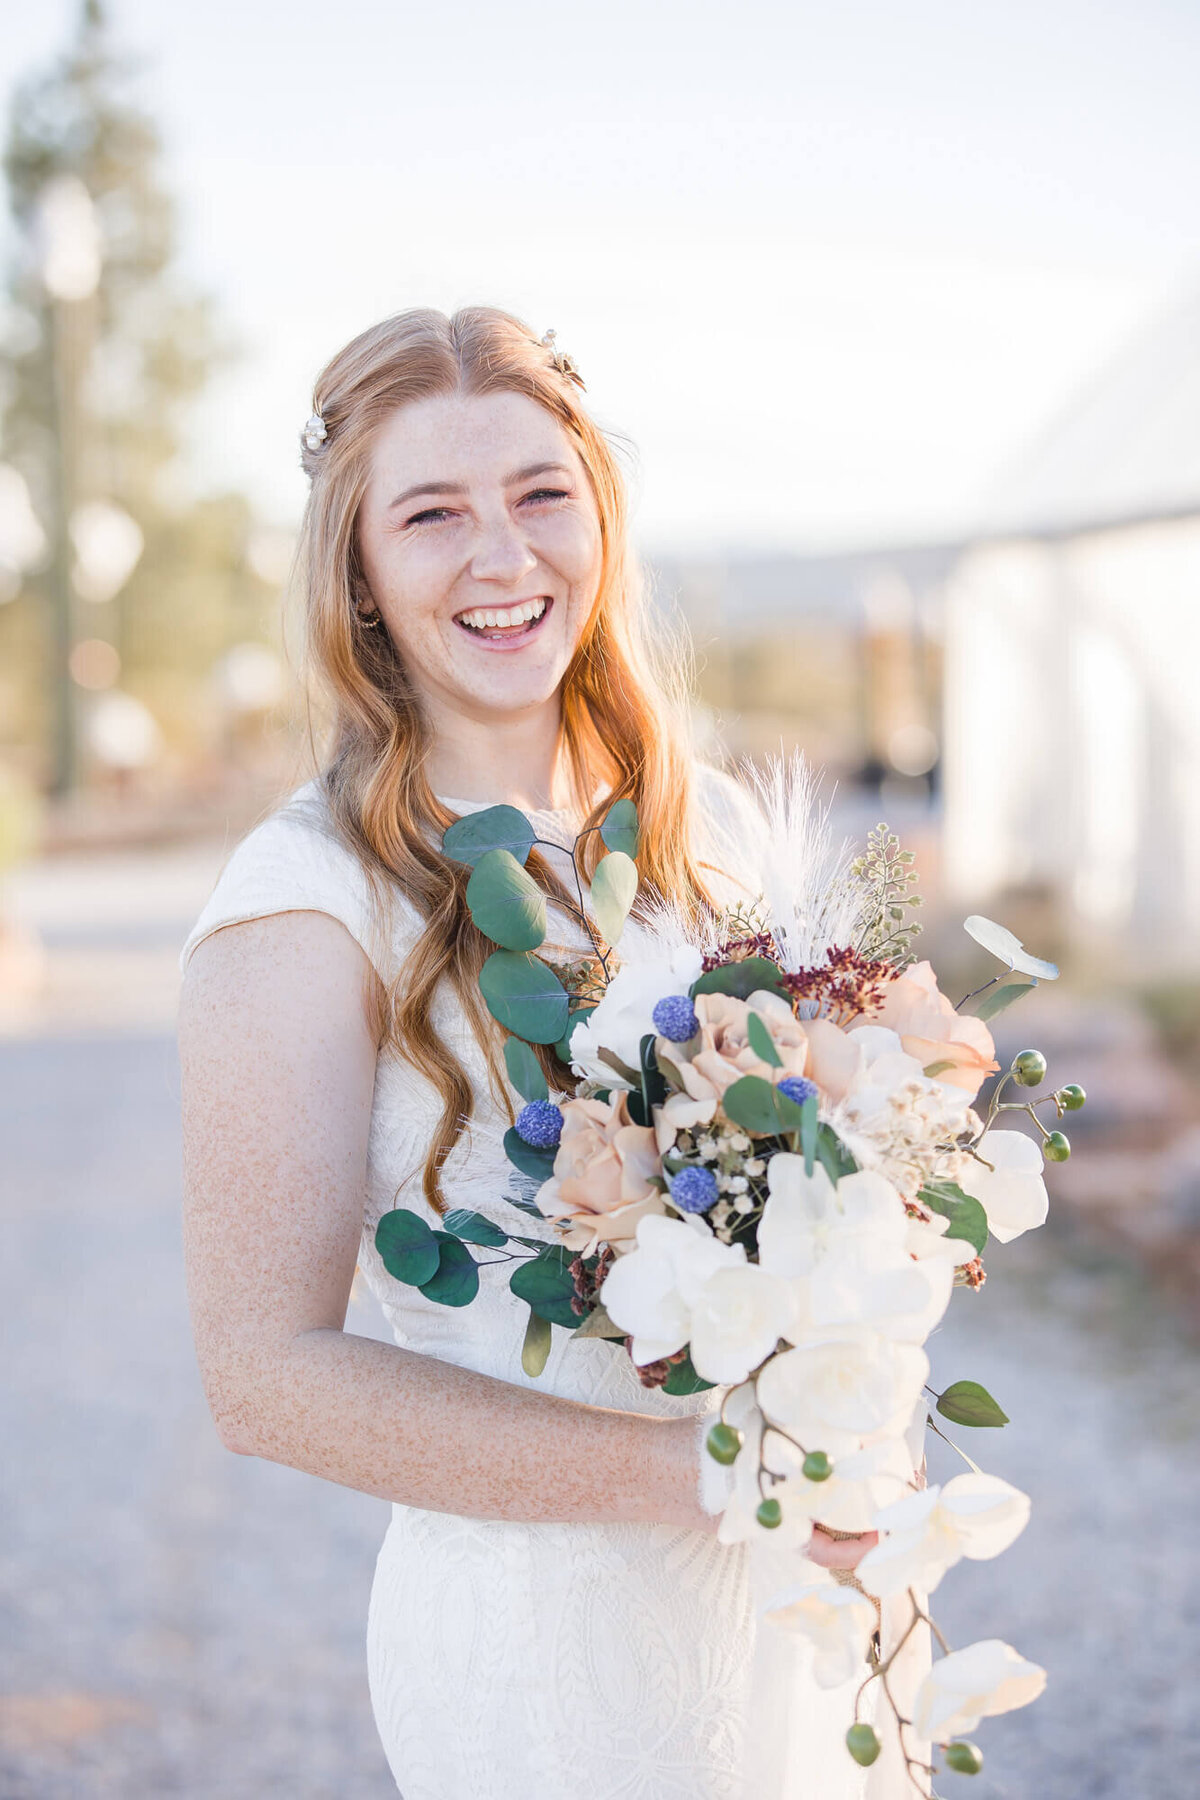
[(135, 354)]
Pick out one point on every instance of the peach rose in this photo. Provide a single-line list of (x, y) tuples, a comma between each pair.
[(929, 1029), (720, 1054), (602, 1175)]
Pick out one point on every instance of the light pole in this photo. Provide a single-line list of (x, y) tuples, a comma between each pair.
[(66, 238)]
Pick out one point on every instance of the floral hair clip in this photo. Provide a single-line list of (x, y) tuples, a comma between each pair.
[(565, 364), (314, 433)]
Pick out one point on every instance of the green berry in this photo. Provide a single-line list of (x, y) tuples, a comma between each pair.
[(863, 1745), (964, 1757), (769, 1514), (1057, 1147), (1071, 1097), (1029, 1068), (817, 1466), (723, 1443)]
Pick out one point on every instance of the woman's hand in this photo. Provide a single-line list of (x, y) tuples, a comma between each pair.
[(838, 1552)]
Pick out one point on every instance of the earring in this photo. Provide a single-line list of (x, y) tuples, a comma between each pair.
[(369, 621)]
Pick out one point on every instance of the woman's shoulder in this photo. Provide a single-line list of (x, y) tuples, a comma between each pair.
[(295, 859)]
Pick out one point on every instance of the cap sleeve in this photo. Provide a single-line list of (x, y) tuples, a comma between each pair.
[(292, 862)]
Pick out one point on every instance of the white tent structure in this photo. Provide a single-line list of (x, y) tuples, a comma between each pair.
[(1072, 677)]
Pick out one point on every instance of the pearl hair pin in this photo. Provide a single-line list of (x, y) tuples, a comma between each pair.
[(566, 365), (314, 433)]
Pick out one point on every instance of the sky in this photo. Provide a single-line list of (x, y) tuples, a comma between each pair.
[(828, 269)]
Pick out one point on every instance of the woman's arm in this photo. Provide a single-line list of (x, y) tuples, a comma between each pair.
[(278, 1069)]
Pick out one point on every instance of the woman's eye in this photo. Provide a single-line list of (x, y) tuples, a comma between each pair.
[(443, 512), (432, 512), (548, 494)]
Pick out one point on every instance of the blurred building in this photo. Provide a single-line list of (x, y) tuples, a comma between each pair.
[(1036, 679)]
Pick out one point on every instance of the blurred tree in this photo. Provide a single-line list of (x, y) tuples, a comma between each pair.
[(104, 346)]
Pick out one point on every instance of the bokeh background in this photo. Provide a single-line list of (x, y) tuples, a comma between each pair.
[(898, 314)]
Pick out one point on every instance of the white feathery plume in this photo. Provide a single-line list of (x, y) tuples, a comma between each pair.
[(813, 900)]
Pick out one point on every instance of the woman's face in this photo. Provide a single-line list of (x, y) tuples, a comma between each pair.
[(480, 540)]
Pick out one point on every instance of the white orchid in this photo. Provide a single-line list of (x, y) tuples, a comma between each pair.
[(925, 1533), (851, 1497), (845, 1250), (842, 1386), (972, 1684), (1012, 1192), (625, 1015), (739, 1521), (680, 1284), (837, 1621)]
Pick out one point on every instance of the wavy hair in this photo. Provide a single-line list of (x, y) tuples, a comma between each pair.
[(623, 695)]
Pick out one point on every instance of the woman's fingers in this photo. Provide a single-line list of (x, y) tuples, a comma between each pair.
[(839, 1553)]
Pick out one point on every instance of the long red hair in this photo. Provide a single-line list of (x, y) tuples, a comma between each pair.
[(624, 718)]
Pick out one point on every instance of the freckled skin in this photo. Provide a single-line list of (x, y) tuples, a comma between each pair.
[(278, 1060)]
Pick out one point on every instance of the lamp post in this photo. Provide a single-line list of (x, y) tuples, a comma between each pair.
[(66, 239)]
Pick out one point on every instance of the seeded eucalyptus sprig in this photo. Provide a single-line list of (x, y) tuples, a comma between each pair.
[(888, 877)]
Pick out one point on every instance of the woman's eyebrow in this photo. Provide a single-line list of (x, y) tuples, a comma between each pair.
[(459, 487)]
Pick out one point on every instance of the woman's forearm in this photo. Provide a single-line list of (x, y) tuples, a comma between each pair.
[(406, 1427)]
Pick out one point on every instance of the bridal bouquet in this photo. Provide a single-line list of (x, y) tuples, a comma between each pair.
[(769, 1180)]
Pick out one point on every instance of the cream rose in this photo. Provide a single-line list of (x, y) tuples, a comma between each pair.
[(602, 1183), (929, 1029)]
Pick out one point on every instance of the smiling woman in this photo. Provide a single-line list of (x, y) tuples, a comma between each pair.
[(551, 1596)]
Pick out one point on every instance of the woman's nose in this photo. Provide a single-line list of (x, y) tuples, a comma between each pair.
[(502, 553)]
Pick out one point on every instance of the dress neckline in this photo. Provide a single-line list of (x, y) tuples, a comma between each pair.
[(534, 812)]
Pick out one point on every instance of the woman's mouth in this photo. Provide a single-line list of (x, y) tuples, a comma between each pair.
[(511, 624)]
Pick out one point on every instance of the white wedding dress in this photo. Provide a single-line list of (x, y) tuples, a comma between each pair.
[(514, 1660)]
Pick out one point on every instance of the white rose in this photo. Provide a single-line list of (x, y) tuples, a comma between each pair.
[(972, 1684), (1012, 1194), (841, 1387), (926, 1533), (837, 1621), (625, 1014)]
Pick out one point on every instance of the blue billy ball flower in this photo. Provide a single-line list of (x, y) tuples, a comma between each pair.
[(540, 1124), (675, 1019), (798, 1088), (694, 1190)]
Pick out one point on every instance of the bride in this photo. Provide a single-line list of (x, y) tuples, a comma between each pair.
[(551, 1612)]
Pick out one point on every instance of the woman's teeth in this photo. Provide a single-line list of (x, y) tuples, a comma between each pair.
[(500, 618)]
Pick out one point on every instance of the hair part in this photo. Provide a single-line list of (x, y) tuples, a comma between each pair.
[(624, 694)]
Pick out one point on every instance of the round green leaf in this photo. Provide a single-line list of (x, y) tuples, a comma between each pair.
[(620, 828), (546, 1283), (524, 995), (741, 979), (407, 1246), (968, 1220), (524, 1070), (614, 886), (506, 902), (528, 1157), (536, 1347), (473, 1228), (758, 1107), (495, 828), (969, 1404), (456, 1282)]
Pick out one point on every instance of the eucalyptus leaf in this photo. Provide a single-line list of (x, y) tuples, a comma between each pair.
[(620, 828), (473, 1228), (528, 1157), (1002, 997), (546, 1283), (495, 828), (408, 1248), (506, 902), (741, 979), (760, 1108), (456, 1282), (525, 995), (761, 1041), (524, 1070), (683, 1379), (577, 1016), (536, 1347), (969, 1404), (614, 886), (833, 1156), (597, 1324)]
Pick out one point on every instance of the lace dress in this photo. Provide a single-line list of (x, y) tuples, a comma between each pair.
[(505, 1659)]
